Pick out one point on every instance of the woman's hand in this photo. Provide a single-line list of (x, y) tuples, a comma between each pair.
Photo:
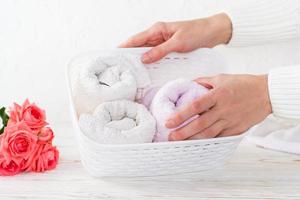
[(181, 36), (234, 104)]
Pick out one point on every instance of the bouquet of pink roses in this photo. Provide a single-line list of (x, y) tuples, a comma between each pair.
[(25, 140)]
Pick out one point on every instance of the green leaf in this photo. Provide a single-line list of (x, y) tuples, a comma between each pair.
[(4, 116)]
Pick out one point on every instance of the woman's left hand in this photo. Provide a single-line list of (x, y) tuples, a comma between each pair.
[(234, 104)]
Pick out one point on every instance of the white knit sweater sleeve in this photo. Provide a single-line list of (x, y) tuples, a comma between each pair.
[(284, 91), (259, 22), (265, 21)]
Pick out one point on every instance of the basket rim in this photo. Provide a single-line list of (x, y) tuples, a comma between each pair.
[(168, 143), (150, 145)]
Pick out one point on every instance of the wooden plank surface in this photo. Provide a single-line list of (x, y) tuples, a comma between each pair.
[(252, 173)]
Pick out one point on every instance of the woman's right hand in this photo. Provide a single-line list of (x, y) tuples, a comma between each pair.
[(183, 36)]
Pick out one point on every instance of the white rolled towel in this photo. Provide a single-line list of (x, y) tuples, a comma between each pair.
[(119, 122), (109, 78), (169, 99)]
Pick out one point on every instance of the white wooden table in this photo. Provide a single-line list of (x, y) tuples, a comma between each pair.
[(252, 173)]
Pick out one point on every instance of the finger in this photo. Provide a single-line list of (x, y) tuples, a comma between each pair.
[(198, 106), (160, 51), (207, 82), (210, 132), (201, 123), (137, 40), (202, 78)]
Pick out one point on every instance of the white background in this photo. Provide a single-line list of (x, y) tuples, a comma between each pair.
[(38, 37)]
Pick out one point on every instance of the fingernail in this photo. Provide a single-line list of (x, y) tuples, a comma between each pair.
[(146, 58), (169, 123)]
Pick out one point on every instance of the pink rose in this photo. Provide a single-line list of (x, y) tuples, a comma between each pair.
[(33, 116), (18, 142), (46, 159), (45, 136), (9, 168)]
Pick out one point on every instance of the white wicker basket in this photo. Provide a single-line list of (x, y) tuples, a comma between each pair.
[(152, 159)]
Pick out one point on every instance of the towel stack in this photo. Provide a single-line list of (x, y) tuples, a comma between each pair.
[(106, 96)]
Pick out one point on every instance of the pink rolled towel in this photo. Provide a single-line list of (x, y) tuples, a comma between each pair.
[(169, 99)]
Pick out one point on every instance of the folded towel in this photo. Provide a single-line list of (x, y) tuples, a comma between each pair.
[(109, 78), (278, 134), (119, 122), (169, 99)]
